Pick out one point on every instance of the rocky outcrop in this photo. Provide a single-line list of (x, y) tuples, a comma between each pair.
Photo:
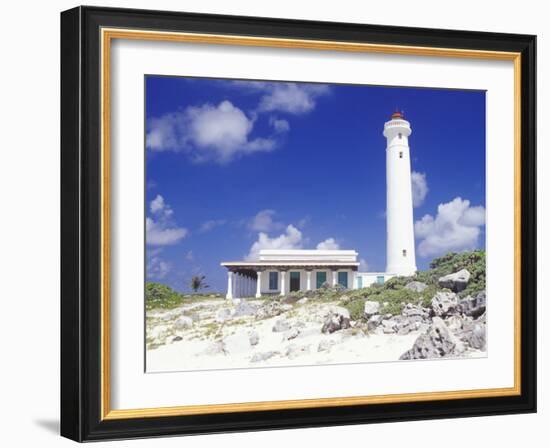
[(245, 309), (338, 318), (437, 342), (444, 303), (272, 309), (455, 282), (371, 308), (473, 306), (416, 286), (253, 337), (263, 356)]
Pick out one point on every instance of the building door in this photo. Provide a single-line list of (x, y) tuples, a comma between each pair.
[(294, 281), (343, 279), (321, 277)]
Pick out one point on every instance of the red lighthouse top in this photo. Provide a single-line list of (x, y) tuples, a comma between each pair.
[(396, 115)]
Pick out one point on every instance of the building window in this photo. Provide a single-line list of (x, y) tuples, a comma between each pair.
[(400, 154), (320, 278), (400, 136), (359, 282), (273, 280), (404, 252), (380, 279), (343, 279)]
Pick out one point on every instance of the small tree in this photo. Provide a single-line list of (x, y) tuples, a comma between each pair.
[(198, 282)]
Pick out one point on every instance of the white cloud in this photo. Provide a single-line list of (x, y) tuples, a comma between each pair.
[(279, 125), (189, 256), (207, 226), (157, 268), (264, 222), (159, 229), (291, 98), (157, 234), (207, 133), (419, 188), (456, 227), (363, 265), (291, 239), (328, 244)]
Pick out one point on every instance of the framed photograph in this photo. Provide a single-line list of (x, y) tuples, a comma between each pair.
[(277, 224)]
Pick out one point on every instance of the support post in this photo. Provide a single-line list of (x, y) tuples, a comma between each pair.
[(229, 294), (334, 273), (308, 280), (283, 275), (259, 284)]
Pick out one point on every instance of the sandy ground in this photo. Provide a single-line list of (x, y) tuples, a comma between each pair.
[(211, 342)]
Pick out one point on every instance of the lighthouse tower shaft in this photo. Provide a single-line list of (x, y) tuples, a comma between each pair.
[(400, 253)]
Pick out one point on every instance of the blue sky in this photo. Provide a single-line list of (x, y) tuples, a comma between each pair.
[(236, 166)]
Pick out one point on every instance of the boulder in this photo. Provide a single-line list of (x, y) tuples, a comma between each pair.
[(371, 308), (389, 326), (415, 311), (473, 306), (281, 325), (291, 334), (437, 342), (245, 309), (272, 309), (416, 286), (374, 321), (302, 301), (477, 336), (253, 337), (177, 339), (456, 281), (263, 356), (338, 318), (216, 348), (183, 322), (444, 303)]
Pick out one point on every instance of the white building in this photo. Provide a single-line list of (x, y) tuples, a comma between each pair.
[(284, 271)]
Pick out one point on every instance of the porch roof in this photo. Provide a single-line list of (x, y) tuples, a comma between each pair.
[(262, 265)]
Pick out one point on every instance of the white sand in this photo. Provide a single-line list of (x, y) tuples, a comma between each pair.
[(194, 351)]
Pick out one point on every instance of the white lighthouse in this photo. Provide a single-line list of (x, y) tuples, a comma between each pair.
[(400, 254)]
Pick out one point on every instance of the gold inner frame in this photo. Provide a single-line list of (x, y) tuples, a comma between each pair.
[(107, 35)]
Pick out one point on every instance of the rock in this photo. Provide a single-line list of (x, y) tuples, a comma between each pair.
[(183, 322), (454, 323), (281, 325), (237, 343), (444, 303), (473, 307), (245, 309), (302, 301), (338, 318), (477, 337), (325, 345), (389, 326), (455, 282), (413, 311), (253, 337), (263, 356), (216, 348), (374, 321), (271, 309), (177, 339), (223, 315), (437, 342), (371, 308), (416, 286), (291, 334), (294, 350)]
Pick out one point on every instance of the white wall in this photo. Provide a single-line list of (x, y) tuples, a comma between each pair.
[(29, 160), (303, 279)]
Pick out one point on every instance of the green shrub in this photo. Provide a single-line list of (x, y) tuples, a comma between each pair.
[(158, 295)]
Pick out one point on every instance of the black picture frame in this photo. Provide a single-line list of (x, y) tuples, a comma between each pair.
[(81, 224)]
